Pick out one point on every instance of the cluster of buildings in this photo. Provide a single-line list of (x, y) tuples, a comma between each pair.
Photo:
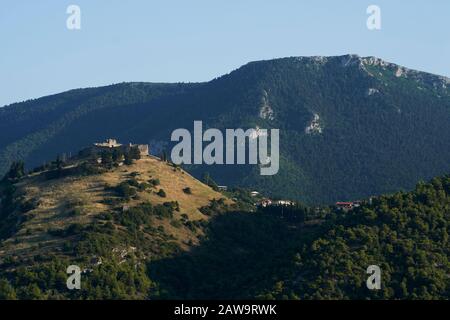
[(346, 206), (264, 202), (268, 202)]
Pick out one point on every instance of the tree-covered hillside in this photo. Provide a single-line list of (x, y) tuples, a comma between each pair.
[(405, 234), (350, 127), (108, 218), (150, 231), (302, 253)]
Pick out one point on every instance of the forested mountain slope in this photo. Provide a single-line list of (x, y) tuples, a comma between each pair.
[(350, 127), (148, 230)]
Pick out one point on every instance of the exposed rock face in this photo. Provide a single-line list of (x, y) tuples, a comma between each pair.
[(314, 126), (399, 72), (352, 60), (372, 91), (266, 111)]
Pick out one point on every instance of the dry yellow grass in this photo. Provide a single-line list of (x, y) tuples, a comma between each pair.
[(58, 197)]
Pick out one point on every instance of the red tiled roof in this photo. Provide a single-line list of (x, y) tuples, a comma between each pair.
[(344, 203)]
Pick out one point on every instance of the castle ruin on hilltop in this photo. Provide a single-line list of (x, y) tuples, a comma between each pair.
[(144, 149), (109, 143)]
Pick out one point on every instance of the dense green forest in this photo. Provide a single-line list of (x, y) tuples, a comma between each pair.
[(382, 127), (277, 252), (406, 234), (299, 253)]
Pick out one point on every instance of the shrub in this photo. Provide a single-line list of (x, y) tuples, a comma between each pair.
[(111, 201), (144, 186), (72, 203), (75, 212), (163, 211), (154, 182), (187, 190), (105, 216), (191, 226), (136, 216), (16, 170), (73, 229), (29, 205), (161, 193), (88, 169), (124, 190), (173, 205), (56, 232), (176, 223), (133, 182)]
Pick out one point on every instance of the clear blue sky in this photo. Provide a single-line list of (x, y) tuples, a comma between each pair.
[(197, 40)]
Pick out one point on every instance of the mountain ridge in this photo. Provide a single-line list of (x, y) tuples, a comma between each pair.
[(352, 59), (367, 119)]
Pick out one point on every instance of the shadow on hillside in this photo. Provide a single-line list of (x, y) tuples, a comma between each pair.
[(241, 255)]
